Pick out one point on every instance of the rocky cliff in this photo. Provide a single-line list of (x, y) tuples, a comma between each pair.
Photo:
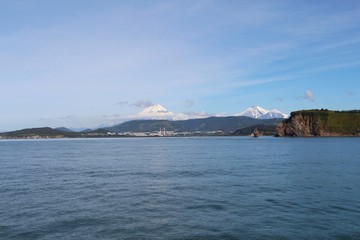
[(307, 123)]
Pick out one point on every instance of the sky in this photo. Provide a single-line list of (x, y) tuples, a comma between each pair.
[(87, 63)]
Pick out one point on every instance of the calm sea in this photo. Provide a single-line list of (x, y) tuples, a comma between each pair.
[(180, 188)]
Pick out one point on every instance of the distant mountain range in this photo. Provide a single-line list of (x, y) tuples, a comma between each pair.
[(225, 124), (154, 117), (157, 118)]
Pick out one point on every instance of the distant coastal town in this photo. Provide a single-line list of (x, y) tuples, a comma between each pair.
[(49, 133)]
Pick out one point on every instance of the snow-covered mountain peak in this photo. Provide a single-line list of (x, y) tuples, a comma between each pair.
[(154, 110), (157, 111), (259, 109), (262, 113), (274, 113), (253, 112)]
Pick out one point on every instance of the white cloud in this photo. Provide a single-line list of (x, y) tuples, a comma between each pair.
[(308, 95)]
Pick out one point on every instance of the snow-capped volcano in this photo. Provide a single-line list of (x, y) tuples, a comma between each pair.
[(253, 112), (274, 114), (156, 111), (262, 113)]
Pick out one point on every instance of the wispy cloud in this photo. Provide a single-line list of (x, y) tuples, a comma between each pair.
[(138, 103), (67, 117), (309, 95), (350, 93), (142, 103), (189, 103), (168, 51), (122, 103)]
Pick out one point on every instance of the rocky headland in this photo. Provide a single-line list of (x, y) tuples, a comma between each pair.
[(307, 123)]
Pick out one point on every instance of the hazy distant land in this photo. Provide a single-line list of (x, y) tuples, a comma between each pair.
[(212, 126), (299, 124)]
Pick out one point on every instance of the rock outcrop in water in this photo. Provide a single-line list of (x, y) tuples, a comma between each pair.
[(308, 123), (255, 133)]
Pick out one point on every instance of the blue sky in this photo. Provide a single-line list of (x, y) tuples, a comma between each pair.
[(86, 63)]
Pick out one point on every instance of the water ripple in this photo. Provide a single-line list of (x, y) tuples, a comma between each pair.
[(180, 188)]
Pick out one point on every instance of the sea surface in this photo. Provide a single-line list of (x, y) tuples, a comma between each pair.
[(180, 188)]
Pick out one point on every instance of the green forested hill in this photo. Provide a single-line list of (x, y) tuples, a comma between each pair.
[(41, 132), (226, 124)]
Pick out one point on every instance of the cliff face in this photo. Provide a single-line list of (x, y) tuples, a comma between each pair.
[(320, 123)]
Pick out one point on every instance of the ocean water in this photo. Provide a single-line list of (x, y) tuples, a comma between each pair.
[(180, 188)]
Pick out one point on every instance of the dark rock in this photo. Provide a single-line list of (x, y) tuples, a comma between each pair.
[(255, 133)]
